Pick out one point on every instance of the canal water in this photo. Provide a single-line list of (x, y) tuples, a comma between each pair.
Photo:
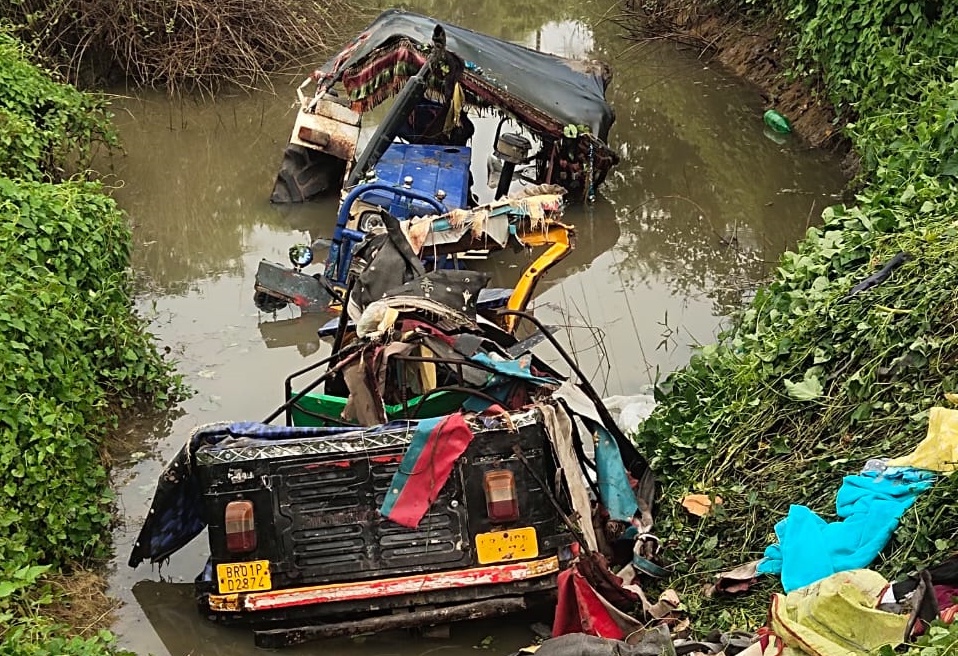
[(696, 214)]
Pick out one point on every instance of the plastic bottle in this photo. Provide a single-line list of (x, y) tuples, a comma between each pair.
[(777, 122)]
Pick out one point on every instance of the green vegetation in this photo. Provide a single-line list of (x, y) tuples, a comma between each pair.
[(806, 386), (940, 640), (72, 350), (44, 126)]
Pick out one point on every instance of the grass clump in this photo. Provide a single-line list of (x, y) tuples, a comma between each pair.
[(807, 385)]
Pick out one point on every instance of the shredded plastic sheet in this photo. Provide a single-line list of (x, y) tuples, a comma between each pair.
[(629, 412), (836, 617), (939, 450)]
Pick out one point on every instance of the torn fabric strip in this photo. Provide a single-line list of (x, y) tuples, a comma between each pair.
[(425, 467)]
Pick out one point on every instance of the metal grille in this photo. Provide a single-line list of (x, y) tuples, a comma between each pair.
[(336, 533)]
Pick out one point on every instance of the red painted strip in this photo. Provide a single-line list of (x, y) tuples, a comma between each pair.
[(491, 575), (386, 459), (344, 464)]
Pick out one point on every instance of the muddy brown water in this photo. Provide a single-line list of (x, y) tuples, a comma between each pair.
[(698, 211)]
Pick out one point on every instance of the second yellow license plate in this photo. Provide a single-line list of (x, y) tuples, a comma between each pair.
[(514, 544), (243, 577)]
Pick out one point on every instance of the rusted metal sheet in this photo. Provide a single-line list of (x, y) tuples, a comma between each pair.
[(329, 108), (278, 638), (331, 129), (300, 289), (491, 575)]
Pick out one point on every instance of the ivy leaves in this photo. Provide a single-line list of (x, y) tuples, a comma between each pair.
[(45, 127), (808, 389), (939, 640), (810, 382), (72, 350)]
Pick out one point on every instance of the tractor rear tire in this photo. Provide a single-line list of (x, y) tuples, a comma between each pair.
[(305, 174)]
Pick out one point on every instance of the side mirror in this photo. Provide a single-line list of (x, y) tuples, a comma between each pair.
[(300, 255)]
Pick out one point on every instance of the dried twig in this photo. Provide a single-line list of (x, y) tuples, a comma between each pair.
[(188, 45)]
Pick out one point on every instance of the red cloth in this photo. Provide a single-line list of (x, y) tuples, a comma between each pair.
[(946, 594), (580, 609)]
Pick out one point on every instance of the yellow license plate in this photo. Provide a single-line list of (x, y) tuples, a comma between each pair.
[(514, 544), (244, 577)]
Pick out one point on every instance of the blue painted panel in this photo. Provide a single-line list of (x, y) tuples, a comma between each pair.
[(431, 168)]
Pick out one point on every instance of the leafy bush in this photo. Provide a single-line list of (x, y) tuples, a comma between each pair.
[(77, 353), (939, 640), (45, 126), (870, 53), (72, 350), (39, 637)]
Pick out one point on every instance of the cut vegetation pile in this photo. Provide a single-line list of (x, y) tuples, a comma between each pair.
[(176, 44), (809, 384), (72, 351)]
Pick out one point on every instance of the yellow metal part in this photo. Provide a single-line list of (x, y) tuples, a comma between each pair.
[(514, 544), (228, 603), (561, 240)]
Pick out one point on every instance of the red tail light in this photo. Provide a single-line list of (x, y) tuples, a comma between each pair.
[(501, 502), (240, 527)]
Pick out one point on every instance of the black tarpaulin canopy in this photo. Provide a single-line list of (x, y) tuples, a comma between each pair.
[(547, 91)]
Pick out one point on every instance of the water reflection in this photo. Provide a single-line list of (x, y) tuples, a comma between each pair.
[(197, 178), (520, 22), (699, 207), (296, 331)]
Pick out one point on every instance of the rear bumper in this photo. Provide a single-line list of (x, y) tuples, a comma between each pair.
[(432, 585), (276, 638)]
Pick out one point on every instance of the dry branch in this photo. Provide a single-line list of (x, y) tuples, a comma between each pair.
[(177, 44), (648, 20)]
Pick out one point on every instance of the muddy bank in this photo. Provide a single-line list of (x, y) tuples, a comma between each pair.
[(751, 50)]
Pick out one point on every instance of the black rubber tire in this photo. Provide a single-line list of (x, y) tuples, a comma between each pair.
[(305, 174)]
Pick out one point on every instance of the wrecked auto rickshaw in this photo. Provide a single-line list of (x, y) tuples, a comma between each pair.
[(419, 160), (433, 470)]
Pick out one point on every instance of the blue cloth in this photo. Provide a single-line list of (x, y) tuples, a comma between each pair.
[(869, 505), (613, 480), (500, 384), (520, 368)]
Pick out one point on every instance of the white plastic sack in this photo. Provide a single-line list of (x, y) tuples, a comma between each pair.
[(630, 411)]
